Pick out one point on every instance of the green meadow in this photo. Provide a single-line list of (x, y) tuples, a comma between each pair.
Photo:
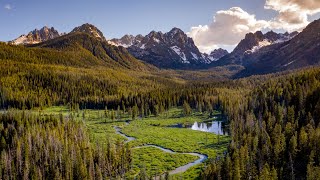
[(150, 161)]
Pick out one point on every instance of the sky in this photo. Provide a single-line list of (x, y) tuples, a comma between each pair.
[(211, 23)]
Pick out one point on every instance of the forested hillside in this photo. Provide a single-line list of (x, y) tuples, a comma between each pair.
[(275, 132), (40, 77), (112, 56), (45, 147), (273, 118)]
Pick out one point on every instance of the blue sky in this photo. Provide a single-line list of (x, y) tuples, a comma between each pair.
[(115, 17), (118, 17)]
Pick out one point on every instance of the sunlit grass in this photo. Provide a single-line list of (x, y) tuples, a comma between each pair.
[(153, 130)]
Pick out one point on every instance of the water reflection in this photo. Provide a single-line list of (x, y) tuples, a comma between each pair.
[(216, 127)]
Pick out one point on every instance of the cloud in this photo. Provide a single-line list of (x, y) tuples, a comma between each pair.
[(230, 26), (293, 14), (8, 7), (307, 6), (227, 29)]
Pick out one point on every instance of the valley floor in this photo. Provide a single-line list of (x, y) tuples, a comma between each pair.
[(152, 133)]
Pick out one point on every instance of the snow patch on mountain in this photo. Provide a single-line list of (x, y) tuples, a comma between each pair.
[(194, 56), (266, 42), (156, 40), (212, 59), (263, 43), (143, 46), (178, 51), (288, 63)]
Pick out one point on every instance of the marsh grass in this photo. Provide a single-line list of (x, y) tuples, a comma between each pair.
[(153, 130)]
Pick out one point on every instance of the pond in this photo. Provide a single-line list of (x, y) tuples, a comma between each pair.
[(216, 127)]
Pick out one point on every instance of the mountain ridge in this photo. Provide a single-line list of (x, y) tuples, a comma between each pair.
[(36, 36), (252, 43), (258, 52), (301, 51), (173, 49)]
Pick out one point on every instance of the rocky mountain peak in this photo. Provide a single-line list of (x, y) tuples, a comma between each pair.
[(273, 36), (90, 29), (172, 49), (127, 39), (254, 41), (37, 36), (178, 36), (218, 53), (154, 34), (175, 31)]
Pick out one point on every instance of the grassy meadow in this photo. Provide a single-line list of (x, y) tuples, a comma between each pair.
[(152, 130)]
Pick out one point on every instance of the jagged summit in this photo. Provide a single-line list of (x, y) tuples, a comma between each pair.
[(47, 33), (252, 43), (173, 49), (89, 29), (37, 36), (175, 31)]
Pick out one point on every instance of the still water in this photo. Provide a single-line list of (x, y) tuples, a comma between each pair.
[(216, 127)]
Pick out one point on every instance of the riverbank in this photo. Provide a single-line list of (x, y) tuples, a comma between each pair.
[(180, 169)]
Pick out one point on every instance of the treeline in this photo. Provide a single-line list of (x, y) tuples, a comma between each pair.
[(275, 131), (27, 85), (48, 56), (202, 97), (42, 77), (46, 147)]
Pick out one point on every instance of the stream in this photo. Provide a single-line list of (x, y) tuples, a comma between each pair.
[(180, 169)]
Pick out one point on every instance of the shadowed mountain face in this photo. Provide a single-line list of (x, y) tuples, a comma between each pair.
[(252, 43), (173, 49), (301, 51)]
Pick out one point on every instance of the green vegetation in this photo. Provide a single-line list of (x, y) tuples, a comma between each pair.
[(47, 147), (192, 173), (155, 162), (177, 139), (78, 95), (275, 132), (148, 160)]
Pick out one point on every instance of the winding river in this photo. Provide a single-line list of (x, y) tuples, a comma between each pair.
[(181, 169)]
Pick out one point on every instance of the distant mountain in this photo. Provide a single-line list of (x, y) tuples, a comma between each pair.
[(37, 36), (173, 49), (127, 40), (216, 54), (89, 41), (252, 43), (301, 51)]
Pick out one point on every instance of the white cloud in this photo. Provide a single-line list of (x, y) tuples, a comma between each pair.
[(8, 7), (293, 14), (227, 29), (230, 26)]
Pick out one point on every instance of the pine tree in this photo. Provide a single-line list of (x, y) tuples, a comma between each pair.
[(186, 109)]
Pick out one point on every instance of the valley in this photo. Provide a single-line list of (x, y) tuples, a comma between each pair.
[(156, 147), (171, 104)]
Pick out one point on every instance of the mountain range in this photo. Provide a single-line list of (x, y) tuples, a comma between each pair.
[(302, 50), (90, 44), (258, 52), (36, 36), (173, 49)]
